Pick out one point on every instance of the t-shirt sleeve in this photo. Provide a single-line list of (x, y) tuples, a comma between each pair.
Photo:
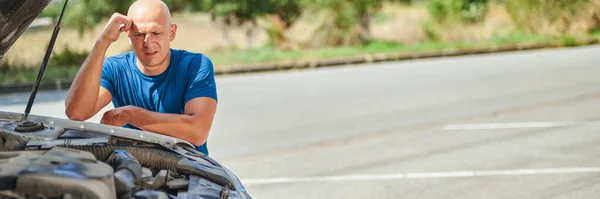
[(201, 82), (106, 79)]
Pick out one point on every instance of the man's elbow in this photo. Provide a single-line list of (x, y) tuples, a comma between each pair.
[(77, 116), (199, 138)]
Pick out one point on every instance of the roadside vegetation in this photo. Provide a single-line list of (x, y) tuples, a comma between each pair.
[(234, 32)]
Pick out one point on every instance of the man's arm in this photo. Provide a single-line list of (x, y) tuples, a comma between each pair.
[(85, 89), (193, 126)]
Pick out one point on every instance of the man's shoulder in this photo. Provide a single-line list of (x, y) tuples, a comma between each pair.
[(121, 58), (185, 56)]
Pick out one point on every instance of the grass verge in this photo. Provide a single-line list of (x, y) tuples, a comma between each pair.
[(272, 55), (223, 59), (25, 75)]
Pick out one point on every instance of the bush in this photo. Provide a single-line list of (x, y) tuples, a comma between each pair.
[(569, 40), (4, 65), (67, 58), (432, 31), (465, 10), (442, 10), (52, 10), (554, 16), (14, 73), (474, 10)]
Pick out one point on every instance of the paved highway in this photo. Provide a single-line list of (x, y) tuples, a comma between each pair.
[(510, 125)]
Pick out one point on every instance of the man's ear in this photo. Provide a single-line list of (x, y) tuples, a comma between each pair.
[(173, 31)]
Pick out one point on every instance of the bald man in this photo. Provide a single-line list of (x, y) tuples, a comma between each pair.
[(154, 87)]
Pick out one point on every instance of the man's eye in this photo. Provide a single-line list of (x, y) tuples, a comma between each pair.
[(139, 35), (156, 33)]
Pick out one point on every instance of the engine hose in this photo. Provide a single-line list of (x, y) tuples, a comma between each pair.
[(148, 157), (157, 159), (128, 170)]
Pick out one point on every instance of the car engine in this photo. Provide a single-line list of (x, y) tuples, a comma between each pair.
[(47, 161)]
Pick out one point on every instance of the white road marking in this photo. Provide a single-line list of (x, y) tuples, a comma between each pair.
[(423, 175), (484, 126)]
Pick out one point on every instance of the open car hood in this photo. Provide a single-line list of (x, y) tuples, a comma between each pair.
[(15, 18)]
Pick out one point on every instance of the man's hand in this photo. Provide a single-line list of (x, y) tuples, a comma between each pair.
[(193, 126), (119, 116), (117, 24)]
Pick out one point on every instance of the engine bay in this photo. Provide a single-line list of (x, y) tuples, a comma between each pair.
[(38, 160)]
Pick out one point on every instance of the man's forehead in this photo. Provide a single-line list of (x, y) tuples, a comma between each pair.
[(146, 26)]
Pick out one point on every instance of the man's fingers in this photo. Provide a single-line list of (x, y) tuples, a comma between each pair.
[(107, 113), (128, 22), (104, 117), (123, 28), (125, 25)]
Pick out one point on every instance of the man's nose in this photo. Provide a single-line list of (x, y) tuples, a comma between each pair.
[(146, 40)]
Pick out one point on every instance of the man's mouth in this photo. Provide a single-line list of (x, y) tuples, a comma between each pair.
[(150, 54)]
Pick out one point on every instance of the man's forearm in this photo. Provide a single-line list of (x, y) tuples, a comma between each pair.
[(182, 126), (86, 85)]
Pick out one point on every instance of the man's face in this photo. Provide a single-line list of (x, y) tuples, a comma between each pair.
[(151, 37)]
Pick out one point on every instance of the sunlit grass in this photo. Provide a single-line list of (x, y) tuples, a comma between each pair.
[(225, 58), (27, 75), (271, 55)]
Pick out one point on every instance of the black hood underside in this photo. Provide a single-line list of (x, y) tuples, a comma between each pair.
[(15, 18)]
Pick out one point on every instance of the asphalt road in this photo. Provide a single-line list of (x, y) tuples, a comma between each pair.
[(510, 125)]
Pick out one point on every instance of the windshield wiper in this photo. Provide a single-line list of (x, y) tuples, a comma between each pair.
[(44, 63)]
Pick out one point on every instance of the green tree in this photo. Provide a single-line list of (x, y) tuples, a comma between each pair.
[(237, 12), (347, 22), (365, 10), (471, 11), (85, 14), (247, 12), (282, 15), (533, 15), (287, 10)]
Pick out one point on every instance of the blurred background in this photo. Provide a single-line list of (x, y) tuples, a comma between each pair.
[(259, 31), (513, 124)]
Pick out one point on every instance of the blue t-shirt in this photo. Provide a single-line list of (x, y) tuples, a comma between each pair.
[(189, 75)]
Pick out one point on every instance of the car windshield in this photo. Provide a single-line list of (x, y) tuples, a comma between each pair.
[(332, 98)]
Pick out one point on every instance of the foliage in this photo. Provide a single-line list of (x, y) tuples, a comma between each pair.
[(62, 65), (238, 11), (347, 22), (465, 10), (442, 10), (4, 66), (287, 10), (282, 14), (474, 10), (569, 40), (52, 10), (67, 58), (432, 31), (553, 16), (85, 14)]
